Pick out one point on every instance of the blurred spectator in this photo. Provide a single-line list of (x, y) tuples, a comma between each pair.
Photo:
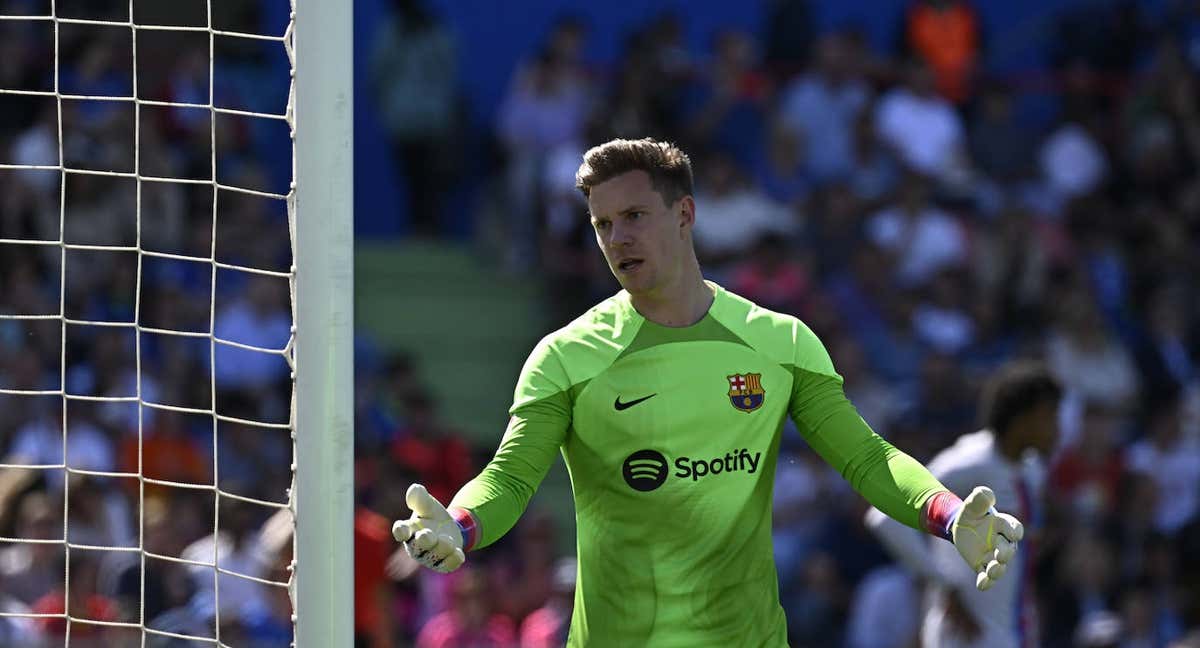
[(770, 278), (433, 454), (876, 400), (922, 127), (801, 481), (547, 626), (884, 612), (1132, 521), (550, 92), (527, 574), (999, 143), (727, 103), (822, 107), (84, 601), (168, 588), (1087, 473), (165, 451), (38, 146), (546, 107), (833, 231), (877, 316), (259, 318), (100, 69), (41, 443), (1172, 461), (943, 320), (731, 215), (271, 625), (1083, 582), (946, 35), (29, 570), (16, 630), (1087, 358), (253, 461), (780, 173), (381, 403), (238, 547), (1167, 354), (815, 612), (876, 171), (414, 77), (1101, 629), (24, 64), (1072, 162), (373, 598), (1144, 624), (576, 273), (651, 80), (672, 61), (250, 231), (470, 620), (922, 238), (98, 514), (945, 404)]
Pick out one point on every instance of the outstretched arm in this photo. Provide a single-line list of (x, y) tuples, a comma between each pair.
[(490, 504), (496, 498), (890, 480), (897, 484)]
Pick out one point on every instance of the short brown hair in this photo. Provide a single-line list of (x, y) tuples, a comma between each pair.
[(669, 168)]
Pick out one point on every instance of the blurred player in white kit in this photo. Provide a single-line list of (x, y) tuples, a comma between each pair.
[(1020, 414)]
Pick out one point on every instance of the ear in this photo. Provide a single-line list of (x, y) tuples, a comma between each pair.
[(686, 211)]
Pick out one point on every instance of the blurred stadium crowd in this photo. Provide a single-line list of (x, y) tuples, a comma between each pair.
[(927, 219)]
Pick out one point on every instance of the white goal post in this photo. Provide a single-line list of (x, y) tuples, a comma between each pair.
[(324, 489)]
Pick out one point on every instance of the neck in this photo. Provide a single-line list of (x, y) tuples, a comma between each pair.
[(1010, 448), (680, 303)]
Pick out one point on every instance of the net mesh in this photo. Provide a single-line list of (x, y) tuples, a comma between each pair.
[(215, 313)]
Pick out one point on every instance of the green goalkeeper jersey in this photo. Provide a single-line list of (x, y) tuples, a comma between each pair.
[(670, 436)]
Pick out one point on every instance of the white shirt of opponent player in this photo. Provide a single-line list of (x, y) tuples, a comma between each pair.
[(973, 459)]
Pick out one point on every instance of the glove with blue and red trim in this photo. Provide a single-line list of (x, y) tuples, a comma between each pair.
[(984, 537), (431, 536)]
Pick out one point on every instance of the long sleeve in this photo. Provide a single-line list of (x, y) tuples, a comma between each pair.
[(890, 480), (540, 417), (499, 494)]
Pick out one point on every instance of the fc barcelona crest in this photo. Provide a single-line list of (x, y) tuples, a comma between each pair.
[(746, 392)]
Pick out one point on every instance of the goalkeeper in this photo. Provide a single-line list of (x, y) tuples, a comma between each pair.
[(667, 402)]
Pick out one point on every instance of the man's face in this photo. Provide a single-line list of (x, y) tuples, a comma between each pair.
[(644, 240), (1043, 427)]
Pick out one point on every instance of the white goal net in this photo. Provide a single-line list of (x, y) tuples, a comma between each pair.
[(148, 323)]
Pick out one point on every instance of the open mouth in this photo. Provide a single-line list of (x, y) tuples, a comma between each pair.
[(629, 265)]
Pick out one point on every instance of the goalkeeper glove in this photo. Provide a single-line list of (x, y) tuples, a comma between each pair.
[(986, 539), (431, 536)]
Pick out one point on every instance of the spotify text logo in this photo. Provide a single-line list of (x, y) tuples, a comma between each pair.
[(645, 470)]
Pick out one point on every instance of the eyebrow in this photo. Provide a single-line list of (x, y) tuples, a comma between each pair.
[(631, 208)]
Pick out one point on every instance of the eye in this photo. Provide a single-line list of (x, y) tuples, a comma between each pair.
[(634, 215), (601, 225)]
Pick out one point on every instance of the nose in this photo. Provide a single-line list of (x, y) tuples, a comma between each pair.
[(621, 236)]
